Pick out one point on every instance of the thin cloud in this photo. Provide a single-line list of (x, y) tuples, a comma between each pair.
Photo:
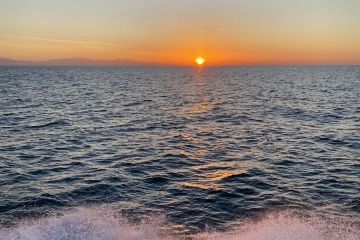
[(93, 43), (149, 23)]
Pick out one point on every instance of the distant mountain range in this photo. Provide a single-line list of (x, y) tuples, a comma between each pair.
[(72, 62)]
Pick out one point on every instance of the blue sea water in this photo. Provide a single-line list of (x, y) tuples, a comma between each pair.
[(258, 153)]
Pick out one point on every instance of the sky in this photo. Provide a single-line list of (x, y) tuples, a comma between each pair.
[(175, 32)]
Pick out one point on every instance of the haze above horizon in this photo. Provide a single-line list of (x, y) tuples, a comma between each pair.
[(226, 32)]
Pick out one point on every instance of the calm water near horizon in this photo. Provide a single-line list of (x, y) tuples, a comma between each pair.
[(258, 153)]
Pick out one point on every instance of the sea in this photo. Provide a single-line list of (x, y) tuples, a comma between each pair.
[(199, 153)]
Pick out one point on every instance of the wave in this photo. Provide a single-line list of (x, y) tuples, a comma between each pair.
[(100, 224), (57, 122)]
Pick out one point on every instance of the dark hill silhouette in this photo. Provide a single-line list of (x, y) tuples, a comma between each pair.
[(71, 62)]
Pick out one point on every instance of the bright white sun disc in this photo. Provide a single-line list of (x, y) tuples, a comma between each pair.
[(200, 61)]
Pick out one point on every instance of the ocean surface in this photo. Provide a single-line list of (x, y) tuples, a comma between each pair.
[(249, 153)]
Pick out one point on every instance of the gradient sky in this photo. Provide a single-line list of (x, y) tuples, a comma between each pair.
[(175, 32)]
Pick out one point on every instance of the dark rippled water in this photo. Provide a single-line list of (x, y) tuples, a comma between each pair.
[(150, 153)]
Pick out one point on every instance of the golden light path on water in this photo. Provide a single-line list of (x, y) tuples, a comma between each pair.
[(206, 176)]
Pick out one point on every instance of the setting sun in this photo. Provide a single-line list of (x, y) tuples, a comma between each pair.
[(200, 61)]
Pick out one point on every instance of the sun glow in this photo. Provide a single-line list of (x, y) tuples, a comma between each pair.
[(200, 61)]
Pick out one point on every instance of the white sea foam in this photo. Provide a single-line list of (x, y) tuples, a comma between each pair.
[(82, 224), (96, 224), (286, 226)]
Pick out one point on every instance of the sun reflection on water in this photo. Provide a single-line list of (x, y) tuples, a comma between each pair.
[(218, 176), (198, 108), (209, 173), (201, 186)]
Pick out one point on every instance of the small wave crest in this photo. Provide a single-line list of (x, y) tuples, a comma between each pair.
[(95, 224), (56, 122)]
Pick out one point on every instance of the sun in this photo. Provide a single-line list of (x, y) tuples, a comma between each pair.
[(200, 61)]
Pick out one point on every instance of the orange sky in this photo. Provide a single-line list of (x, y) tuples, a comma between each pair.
[(224, 32)]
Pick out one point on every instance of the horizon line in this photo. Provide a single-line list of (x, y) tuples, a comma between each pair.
[(128, 62)]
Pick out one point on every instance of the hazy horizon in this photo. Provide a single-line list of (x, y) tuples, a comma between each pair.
[(78, 61)]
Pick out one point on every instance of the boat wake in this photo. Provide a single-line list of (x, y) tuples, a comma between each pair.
[(99, 224)]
